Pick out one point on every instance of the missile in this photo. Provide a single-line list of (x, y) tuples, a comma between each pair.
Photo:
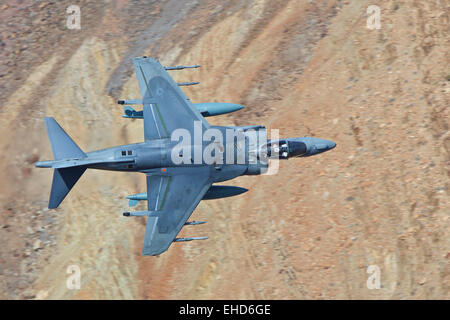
[(135, 198), (189, 239), (191, 223), (138, 196), (129, 101), (136, 214), (187, 83), (182, 67)]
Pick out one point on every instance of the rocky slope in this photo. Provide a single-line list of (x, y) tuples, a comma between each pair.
[(304, 67)]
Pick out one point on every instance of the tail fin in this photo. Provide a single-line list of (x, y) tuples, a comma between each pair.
[(63, 147), (63, 180)]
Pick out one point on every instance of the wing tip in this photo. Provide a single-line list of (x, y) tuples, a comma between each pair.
[(153, 251)]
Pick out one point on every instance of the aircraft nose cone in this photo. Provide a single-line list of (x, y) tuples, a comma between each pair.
[(322, 145), (331, 145), (317, 145)]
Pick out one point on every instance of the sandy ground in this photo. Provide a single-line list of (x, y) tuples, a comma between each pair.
[(380, 198)]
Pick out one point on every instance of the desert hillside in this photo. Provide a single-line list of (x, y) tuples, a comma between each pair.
[(307, 68)]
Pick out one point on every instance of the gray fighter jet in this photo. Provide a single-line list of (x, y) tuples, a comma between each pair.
[(182, 155)]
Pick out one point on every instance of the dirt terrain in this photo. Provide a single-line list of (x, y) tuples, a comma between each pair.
[(307, 68)]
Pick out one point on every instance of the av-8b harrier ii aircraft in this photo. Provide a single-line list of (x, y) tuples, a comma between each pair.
[(182, 155)]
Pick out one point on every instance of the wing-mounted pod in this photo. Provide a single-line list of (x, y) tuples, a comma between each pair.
[(181, 84), (211, 109), (130, 113), (189, 239), (218, 192), (214, 192), (246, 128), (130, 101), (182, 67), (137, 213), (192, 223), (135, 198)]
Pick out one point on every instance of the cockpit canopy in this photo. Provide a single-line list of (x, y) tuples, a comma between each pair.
[(285, 148)]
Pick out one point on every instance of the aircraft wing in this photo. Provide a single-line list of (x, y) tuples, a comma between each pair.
[(166, 107), (172, 194)]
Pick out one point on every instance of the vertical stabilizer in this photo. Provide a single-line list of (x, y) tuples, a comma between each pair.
[(63, 146), (63, 180)]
